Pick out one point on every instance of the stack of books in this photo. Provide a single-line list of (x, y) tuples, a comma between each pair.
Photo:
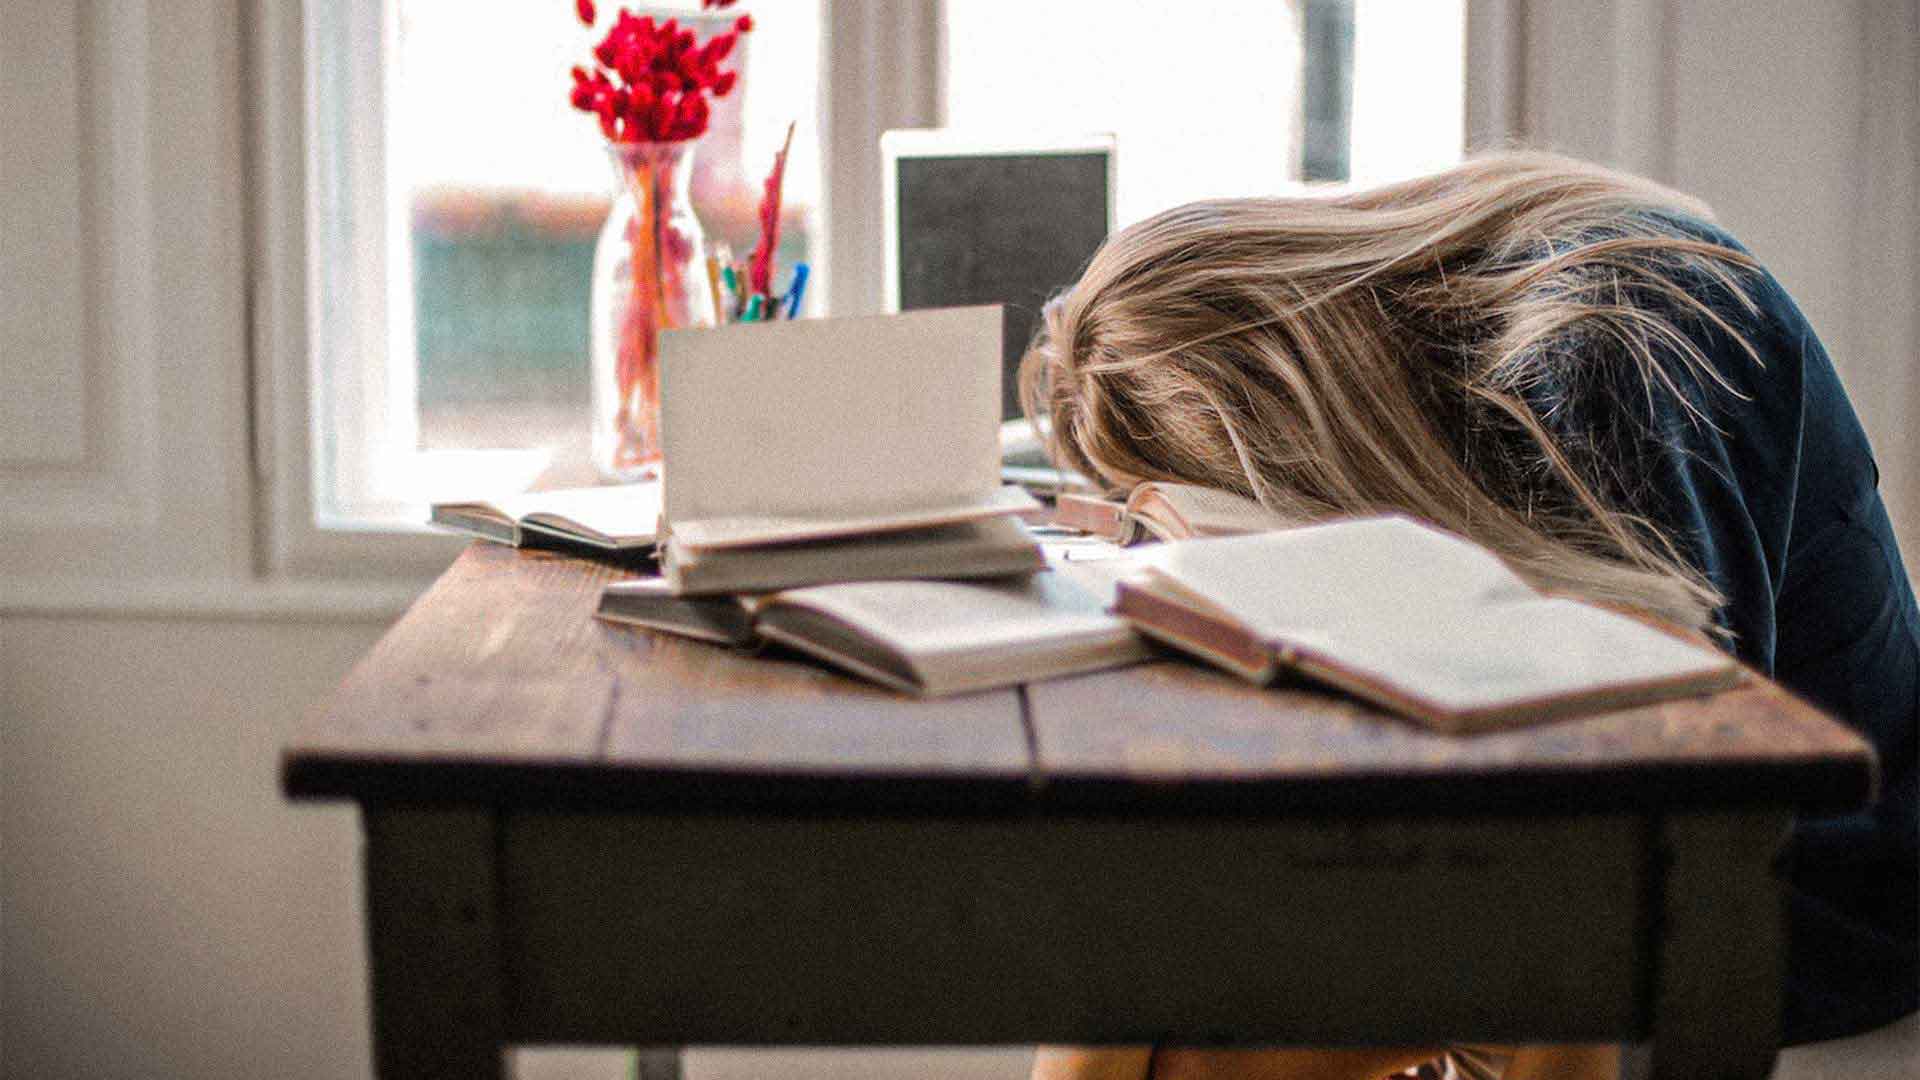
[(834, 486)]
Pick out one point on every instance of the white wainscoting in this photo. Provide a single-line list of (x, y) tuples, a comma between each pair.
[(125, 452)]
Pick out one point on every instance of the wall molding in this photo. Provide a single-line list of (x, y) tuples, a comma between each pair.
[(153, 333), (279, 601)]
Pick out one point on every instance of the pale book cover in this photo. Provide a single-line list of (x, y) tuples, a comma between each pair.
[(758, 530), (792, 430), (621, 517), (1413, 618), (996, 547)]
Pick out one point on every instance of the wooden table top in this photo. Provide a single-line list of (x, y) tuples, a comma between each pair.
[(499, 687)]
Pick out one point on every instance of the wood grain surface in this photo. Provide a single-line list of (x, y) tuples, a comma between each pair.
[(1174, 733), (499, 685)]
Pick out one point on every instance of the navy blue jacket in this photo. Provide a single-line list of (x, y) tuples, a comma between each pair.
[(1775, 498)]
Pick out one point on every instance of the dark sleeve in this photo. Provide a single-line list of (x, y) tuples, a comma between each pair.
[(1711, 459), (1769, 487)]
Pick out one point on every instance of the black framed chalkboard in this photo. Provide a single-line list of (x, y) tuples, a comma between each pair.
[(999, 228)]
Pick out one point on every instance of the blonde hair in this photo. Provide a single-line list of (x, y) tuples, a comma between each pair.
[(1373, 353)]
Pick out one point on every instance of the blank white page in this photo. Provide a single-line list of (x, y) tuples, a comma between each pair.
[(620, 512), (1362, 574), (831, 416)]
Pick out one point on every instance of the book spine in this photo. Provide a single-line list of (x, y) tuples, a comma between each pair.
[(1209, 639)]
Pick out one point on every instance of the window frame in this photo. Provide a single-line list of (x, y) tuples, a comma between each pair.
[(289, 86)]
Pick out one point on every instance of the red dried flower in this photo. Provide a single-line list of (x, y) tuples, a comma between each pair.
[(655, 82), (584, 9)]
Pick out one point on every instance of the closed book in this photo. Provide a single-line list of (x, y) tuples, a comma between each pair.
[(1413, 619), (996, 547)]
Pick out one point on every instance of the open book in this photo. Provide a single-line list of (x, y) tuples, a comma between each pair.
[(924, 637), (1162, 510), (1409, 617), (790, 445), (618, 518)]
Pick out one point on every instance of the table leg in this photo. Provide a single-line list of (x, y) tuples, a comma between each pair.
[(1719, 970), (433, 943), (658, 1064)]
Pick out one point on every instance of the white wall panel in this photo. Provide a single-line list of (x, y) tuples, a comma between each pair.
[(138, 244), (42, 359)]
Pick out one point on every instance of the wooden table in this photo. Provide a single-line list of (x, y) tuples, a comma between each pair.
[(579, 833)]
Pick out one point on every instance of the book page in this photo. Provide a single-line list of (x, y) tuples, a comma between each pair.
[(1533, 651), (621, 513), (813, 416), (1350, 577)]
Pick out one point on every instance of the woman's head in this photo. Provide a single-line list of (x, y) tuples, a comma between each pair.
[(1388, 350)]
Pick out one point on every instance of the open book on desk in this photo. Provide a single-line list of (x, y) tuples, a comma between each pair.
[(929, 638), (619, 518), (824, 450), (1411, 618), (1163, 510)]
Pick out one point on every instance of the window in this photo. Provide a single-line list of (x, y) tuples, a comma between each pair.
[(453, 199), (1231, 97), (457, 201)]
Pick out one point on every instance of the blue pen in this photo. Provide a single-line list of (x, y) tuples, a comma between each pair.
[(794, 290)]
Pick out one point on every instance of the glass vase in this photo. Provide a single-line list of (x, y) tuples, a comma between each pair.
[(649, 275)]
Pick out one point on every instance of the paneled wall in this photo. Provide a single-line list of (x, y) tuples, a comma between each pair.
[(123, 423)]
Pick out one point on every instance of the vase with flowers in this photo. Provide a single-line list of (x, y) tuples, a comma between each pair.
[(651, 86)]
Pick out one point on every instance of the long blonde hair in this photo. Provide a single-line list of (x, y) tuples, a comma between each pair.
[(1374, 352)]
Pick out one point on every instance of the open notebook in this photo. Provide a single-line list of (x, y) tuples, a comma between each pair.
[(924, 637), (1162, 510), (784, 439), (620, 518), (1412, 618)]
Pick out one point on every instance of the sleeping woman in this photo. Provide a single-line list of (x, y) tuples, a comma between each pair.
[(1579, 370)]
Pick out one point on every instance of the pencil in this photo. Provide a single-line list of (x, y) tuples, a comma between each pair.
[(720, 314), (796, 290)]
